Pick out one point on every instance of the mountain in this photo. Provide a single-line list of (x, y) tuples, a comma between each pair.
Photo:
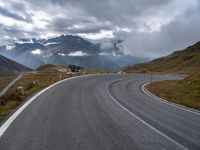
[(10, 67), (185, 61), (67, 49)]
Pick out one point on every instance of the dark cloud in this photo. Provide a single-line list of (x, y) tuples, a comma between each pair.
[(90, 29), (80, 25), (10, 14), (164, 26), (176, 35)]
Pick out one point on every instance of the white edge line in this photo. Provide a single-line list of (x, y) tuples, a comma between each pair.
[(10, 120), (168, 102), (144, 122)]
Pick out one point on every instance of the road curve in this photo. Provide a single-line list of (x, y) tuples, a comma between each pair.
[(102, 112)]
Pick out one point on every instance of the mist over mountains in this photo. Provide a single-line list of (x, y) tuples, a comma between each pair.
[(68, 49)]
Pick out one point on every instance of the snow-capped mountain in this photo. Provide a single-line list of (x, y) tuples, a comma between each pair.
[(68, 49)]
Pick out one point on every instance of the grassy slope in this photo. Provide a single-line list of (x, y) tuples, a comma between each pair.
[(185, 92), (9, 67), (4, 81), (182, 62), (50, 68)]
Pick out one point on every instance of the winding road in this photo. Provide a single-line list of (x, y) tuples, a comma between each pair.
[(101, 112)]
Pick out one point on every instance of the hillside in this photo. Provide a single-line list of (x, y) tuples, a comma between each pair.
[(187, 91), (186, 61), (51, 68), (10, 67)]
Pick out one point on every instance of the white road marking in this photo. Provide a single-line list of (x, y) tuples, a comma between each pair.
[(168, 102), (10, 85), (144, 122), (10, 120)]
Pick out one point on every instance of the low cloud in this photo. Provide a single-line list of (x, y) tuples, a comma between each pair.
[(78, 53), (36, 52)]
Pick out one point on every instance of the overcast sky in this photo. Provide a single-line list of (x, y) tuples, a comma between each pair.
[(149, 28)]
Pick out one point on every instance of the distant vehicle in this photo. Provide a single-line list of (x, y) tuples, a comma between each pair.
[(120, 72), (73, 68)]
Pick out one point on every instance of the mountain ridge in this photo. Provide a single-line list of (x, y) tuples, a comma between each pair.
[(186, 61), (68, 49), (9, 67)]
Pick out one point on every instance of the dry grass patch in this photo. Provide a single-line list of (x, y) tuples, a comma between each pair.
[(4, 81), (185, 92)]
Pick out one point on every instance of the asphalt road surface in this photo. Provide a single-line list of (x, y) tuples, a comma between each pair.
[(103, 112)]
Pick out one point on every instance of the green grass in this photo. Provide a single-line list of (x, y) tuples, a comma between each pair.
[(185, 92)]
